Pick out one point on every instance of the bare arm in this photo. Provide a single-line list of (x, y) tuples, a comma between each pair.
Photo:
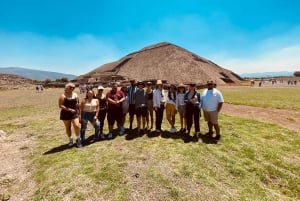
[(220, 106)]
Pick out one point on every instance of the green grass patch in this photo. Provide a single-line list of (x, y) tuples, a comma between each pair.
[(281, 98)]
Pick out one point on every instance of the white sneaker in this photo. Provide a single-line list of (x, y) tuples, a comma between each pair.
[(70, 142)]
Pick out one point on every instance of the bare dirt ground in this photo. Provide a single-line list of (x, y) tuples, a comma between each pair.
[(286, 118), (15, 175), (16, 182)]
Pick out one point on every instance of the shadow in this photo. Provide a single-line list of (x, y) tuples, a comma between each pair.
[(133, 134), (58, 149), (153, 134), (189, 138), (208, 139)]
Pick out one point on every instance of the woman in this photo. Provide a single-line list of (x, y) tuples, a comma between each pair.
[(149, 92), (192, 99), (125, 109), (89, 108), (68, 103), (181, 107), (159, 101), (102, 110), (172, 107)]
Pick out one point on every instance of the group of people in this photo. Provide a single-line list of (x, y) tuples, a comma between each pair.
[(140, 100)]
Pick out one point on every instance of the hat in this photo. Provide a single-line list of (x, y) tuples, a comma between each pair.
[(132, 80), (192, 84), (181, 86), (210, 82), (158, 82), (100, 87), (173, 86), (70, 85), (149, 83), (140, 83)]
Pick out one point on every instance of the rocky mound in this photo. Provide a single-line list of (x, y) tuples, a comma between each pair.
[(10, 81), (163, 61)]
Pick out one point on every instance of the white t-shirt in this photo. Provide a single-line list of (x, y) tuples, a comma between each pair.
[(211, 99)]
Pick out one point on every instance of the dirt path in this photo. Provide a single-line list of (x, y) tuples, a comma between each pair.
[(287, 118), (16, 183)]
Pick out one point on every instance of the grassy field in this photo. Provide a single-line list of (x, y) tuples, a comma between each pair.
[(275, 97), (253, 161)]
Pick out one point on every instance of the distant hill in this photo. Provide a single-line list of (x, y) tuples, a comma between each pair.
[(266, 74), (35, 74)]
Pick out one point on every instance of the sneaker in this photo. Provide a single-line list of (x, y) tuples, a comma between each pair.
[(78, 142), (70, 142), (110, 136), (102, 137), (157, 130), (210, 133), (122, 131), (218, 137)]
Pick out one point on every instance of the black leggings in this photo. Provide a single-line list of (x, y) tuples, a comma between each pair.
[(192, 113)]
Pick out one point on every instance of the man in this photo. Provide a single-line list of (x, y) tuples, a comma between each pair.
[(114, 99), (131, 91), (212, 101)]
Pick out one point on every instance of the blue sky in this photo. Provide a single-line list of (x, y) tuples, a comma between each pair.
[(77, 36)]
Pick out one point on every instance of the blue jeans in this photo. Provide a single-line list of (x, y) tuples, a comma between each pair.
[(89, 117)]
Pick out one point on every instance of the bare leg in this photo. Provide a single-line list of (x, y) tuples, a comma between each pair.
[(210, 127), (76, 126), (68, 127), (217, 128)]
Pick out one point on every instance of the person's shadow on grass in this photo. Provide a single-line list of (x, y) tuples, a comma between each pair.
[(207, 139), (58, 149)]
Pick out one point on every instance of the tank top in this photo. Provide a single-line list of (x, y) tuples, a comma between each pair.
[(90, 106), (150, 95)]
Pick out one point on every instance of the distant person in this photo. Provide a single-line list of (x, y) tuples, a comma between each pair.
[(149, 118), (131, 91), (102, 109), (141, 109), (212, 101), (159, 101), (89, 108), (125, 108), (192, 100), (172, 107), (114, 99), (69, 104), (181, 107)]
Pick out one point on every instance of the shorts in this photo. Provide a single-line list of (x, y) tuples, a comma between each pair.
[(114, 114), (211, 116), (141, 111), (170, 109), (67, 115), (181, 109)]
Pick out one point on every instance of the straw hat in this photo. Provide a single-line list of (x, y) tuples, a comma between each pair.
[(181, 85), (159, 82), (100, 87), (140, 83), (70, 85)]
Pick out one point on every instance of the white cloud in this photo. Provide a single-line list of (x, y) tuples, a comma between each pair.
[(75, 56), (284, 59)]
